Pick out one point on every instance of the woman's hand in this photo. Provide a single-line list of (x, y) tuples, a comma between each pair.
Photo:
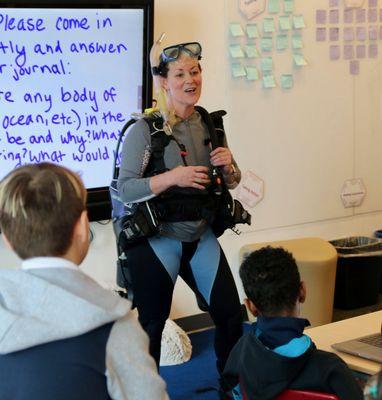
[(191, 176), (222, 157)]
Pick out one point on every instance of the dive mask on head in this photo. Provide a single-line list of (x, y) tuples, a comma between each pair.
[(172, 53)]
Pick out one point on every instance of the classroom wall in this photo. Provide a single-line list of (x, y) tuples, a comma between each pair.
[(303, 143)]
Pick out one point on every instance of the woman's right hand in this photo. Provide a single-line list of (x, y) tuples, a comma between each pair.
[(191, 176)]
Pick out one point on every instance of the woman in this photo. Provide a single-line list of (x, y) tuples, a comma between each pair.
[(186, 247)]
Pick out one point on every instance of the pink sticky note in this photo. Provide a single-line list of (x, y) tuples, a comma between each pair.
[(321, 34), (354, 67), (334, 34), (333, 3), (348, 34), (348, 52), (361, 33), (334, 52), (360, 15), (373, 50), (372, 3), (321, 17), (373, 32), (361, 51), (348, 15), (380, 33), (372, 15), (380, 15), (333, 16)]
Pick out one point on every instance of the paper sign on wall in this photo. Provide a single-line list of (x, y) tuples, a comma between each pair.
[(353, 192), (251, 189)]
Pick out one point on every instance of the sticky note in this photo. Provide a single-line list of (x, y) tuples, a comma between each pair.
[(252, 73), (348, 34), (333, 3), (321, 17), (333, 16), (299, 60), (298, 22), (266, 44), (236, 29), (297, 42), (334, 52), (348, 15), (373, 50), (360, 15), (334, 34), (281, 42), (238, 70), (273, 6), (251, 51), (266, 64), (268, 25), (380, 33), (252, 31), (286, 81), (373, 3), (284, 23), (288, 6), (380, 15), (361, 33), (354, 67), (373, 32), (321, 34), (348, 52), (269, 82), (236, 51)]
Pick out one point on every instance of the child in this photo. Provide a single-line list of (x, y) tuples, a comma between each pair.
[(275, 354), (62, 336)]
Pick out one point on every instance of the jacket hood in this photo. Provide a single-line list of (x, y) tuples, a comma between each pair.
[(46, 304), (275, 374)]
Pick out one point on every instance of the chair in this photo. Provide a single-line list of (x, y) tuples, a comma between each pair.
[(305, 395)]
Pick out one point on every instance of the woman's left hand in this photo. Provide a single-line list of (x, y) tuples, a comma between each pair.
[(222, 157)]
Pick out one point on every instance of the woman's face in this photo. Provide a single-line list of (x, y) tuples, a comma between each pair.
[(183, 83)]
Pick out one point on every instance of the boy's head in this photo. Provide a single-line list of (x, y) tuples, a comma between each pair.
[(272, 282), (41, 207)]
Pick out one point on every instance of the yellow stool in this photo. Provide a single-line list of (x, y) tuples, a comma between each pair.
[(317, 262)]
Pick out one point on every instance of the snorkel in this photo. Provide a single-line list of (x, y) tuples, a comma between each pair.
[(163, 102)]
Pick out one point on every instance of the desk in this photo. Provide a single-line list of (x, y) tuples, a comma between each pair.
[(326, 335)]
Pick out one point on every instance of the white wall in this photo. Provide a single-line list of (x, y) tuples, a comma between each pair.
[(205, 21)]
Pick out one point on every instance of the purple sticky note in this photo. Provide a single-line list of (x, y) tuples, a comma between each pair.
[(360, 15), (333, 3), (354, 67), (334, 34), (373, 50), (373, 3), (321, 17), (348, 52), (361, 51), (348, 34), (373, 32), (372, 15), (380, 15), (348, 15), (321, 34), (361, 33), (334, 52), (333, 16)]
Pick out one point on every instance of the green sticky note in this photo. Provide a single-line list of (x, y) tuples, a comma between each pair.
[(273, 6), (299, 60), (284, 23), (252, 73), (281, 42), (288, 6), (266, 44), (268, 25), (251, 51), (236, 51), (298, 22), (286, 81), (238, 70), (236, 29), (297, 42), (266, 64), (269, 81), (252, 31)]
